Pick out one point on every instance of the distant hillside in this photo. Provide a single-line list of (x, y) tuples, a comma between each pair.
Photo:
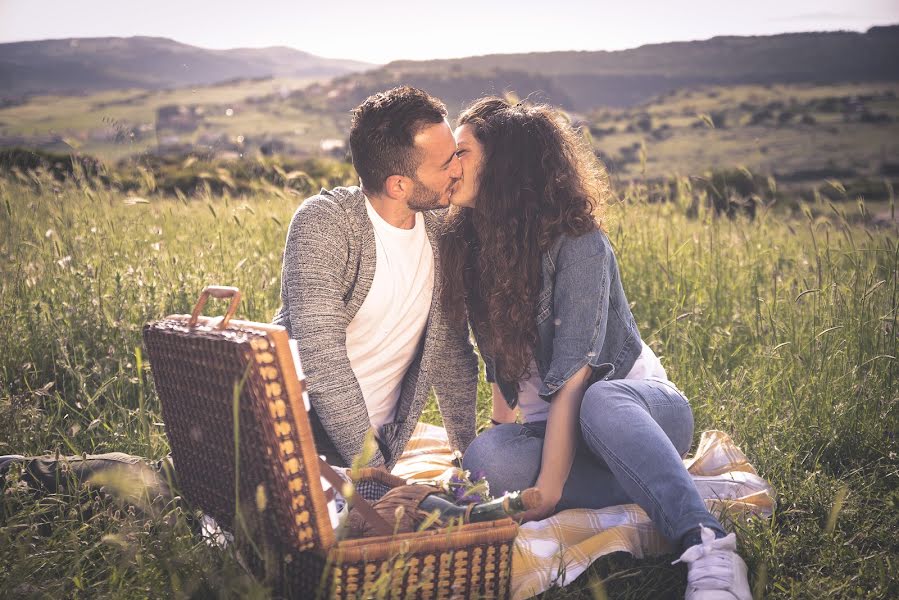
[(94, 64), (584, 80)]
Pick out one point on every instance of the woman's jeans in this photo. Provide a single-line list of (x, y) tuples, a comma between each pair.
[(632, 436)]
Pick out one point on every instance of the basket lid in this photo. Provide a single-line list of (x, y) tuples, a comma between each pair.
[(232, 395)]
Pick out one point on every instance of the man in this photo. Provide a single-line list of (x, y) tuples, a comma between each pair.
[(359, 287), (359, 294)]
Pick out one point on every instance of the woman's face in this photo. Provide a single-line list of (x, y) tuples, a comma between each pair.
[(471, 155)]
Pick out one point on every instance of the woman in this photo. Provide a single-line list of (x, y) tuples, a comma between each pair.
[(525, 258)]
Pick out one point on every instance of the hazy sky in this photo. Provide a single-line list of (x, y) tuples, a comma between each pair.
[(417, 29)]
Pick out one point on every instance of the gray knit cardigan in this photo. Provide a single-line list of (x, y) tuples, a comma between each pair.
[(328, 268)]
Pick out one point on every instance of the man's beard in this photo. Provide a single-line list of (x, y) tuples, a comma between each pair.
[(424, 198)]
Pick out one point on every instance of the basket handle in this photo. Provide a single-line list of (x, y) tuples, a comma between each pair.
[(216, 291), (378, 523)]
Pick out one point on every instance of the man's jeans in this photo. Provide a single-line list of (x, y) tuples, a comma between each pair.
[(139, 482), (632, 436)]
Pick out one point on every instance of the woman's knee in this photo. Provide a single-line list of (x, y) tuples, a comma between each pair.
[(611, 408), (680, 429), (506, 457), (487, 452), (674, 415)]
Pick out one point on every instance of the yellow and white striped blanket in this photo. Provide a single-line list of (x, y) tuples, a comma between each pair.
[(553, 552)]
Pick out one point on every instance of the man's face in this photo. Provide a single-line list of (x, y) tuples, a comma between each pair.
[(440, 170)]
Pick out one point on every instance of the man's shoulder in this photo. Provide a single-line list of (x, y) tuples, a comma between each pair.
[(435, 220), (337, 200), (436, 214), (330, 210)]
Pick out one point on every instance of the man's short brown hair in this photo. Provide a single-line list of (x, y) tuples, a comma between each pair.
[(382, 136)]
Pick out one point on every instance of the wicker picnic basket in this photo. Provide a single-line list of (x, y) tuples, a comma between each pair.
[(233, 400)]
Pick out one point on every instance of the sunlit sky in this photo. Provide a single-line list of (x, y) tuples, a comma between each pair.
[(415, 29)]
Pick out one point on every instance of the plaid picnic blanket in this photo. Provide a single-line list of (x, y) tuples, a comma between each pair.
[(556, 550)]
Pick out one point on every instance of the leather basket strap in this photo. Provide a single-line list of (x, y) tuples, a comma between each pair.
[(375, 521)]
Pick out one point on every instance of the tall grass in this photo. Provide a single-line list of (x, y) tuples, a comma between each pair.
[(782, 331)]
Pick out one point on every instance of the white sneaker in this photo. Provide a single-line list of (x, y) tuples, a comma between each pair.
[(714, 569)]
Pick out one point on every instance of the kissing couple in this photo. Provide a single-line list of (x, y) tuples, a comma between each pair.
[(497, 229)]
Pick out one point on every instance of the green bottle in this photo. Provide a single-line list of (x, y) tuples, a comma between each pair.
[(508, 505)]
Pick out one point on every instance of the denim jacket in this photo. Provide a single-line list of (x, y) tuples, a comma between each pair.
[(582, 317)]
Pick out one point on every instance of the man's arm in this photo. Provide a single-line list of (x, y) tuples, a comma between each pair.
[(315, 260), (456, 384)]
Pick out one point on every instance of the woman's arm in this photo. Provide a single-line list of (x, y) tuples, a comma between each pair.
[(502, 412), (559, 443), (580, 312)]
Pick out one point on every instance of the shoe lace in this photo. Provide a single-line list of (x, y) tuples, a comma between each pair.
[(710, 568)]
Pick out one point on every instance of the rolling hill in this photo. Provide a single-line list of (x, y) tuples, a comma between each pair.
[(84, 65), (584, 80), (804, 107)]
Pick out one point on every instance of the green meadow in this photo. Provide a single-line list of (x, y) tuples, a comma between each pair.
[(782, 330), (802, 134), (116, 124)]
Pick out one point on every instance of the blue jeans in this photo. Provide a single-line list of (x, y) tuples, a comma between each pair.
[(632, 436)]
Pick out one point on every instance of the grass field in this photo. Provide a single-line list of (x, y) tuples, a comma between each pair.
[(801, 134), (782, 331), (807, 133), (90, 123)]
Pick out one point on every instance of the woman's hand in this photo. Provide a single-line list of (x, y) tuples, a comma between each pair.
[(548, 500)]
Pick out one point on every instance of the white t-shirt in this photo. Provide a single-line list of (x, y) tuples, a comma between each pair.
[(534, 408), (383, 338)]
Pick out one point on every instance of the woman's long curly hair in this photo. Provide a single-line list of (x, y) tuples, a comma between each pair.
[(539, 179)]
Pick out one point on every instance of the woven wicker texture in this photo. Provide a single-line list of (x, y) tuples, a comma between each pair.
[(198, 374), (204, 375), (472, 561), (399, 507)]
